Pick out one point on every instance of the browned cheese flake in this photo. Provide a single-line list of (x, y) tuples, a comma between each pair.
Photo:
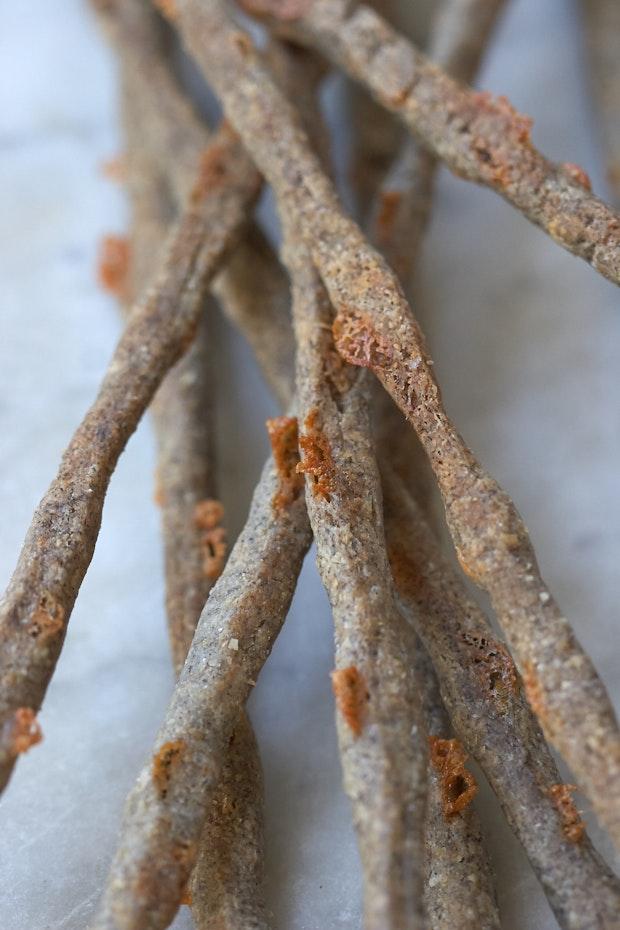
[(573, 826), (351, 696), (318, 461), (283, 436), (458, 786)]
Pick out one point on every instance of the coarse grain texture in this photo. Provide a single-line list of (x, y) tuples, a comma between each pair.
[(61, 539), (381, 736), (374, 328), (227, 881), (480, 137), (483, 694), (161, 831), (226, 885), (602, 28)]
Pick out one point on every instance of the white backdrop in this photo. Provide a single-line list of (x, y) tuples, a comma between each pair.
[(527, 345)]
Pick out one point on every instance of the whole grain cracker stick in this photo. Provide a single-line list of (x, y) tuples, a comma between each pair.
[(458, 890), (61, 539), (167, 809), (458, 881), (252, 287), (481, 689), (472, 900), (459, 887), (382, 741), (376, 134), (479, 137), (602, 28), (374, 328), (382, 744), (226, 885)]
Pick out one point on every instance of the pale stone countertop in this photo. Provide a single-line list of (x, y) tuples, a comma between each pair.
[(527, 344)]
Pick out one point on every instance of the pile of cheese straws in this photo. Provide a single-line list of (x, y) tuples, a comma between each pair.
[(421, 680)]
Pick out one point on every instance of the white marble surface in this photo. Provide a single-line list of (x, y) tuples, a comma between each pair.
[(527, 343)]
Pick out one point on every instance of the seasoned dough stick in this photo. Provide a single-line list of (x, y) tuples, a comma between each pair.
[(381, 735), (167, 809), (482, 691), (61, 539)]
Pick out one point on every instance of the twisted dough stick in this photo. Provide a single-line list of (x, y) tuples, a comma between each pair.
[(381, 734), (381, 738), (172, 799), (62, 536), (459, 888)]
